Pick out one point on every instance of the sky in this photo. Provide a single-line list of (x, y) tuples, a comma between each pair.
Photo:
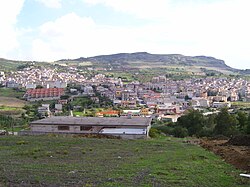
[(49, 30)]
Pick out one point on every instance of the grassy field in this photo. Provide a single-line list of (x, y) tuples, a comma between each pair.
[(12, 102), (5, 110), (11, 106), (241, 104), (75, 161), (9, 92)]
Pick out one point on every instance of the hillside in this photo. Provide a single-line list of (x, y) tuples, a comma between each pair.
[(140, 62), (144, 60), (76, 161), (10, 65)]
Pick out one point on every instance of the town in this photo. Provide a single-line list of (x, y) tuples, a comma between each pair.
[(161, 98)]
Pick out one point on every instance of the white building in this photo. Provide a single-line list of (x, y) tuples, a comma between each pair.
[(129, 128)]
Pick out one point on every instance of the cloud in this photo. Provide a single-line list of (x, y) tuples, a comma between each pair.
[(191, 27), (9, 11), (51, 3), (217, 27), (72, 36), (140, 8)]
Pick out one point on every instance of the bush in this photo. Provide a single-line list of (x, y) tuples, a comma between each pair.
[(154, 133), (180, 132), (168, 130), (21, 142)]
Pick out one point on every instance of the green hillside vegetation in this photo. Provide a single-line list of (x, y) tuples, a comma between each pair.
[(12, 65), (10, 92), (75, 161), (142, 66), (144, 60)]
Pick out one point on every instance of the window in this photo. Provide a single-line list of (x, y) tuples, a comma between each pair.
[(63, 128), (85, 128)]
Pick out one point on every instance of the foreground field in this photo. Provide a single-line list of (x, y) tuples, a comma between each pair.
[(12, 102), (75, 161), (9, 92)]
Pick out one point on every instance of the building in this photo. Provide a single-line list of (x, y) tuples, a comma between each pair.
[(221, 104), (12, 84), (108, 113), (131, 112), (44, 111), (44, 94), (129, 104), (56, 84), (124, 127), (88, 90)]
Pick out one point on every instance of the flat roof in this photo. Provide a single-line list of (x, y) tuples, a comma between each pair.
[(106, 121)]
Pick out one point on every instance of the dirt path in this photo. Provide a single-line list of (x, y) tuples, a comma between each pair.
[(239, 156)]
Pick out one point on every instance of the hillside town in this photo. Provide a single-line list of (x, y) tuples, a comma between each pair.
[(161, 98)]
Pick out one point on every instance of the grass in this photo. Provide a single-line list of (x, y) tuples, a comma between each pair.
[(241, 104), (11, 103), (6, 110), (75, 161), (9, 92)]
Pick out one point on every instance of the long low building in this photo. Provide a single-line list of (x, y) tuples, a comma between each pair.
[(131, 128)]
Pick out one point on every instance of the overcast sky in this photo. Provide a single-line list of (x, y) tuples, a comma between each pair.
[(48, 30)]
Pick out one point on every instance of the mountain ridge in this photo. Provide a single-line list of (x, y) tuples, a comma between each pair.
[(137, 60), (164, 59)]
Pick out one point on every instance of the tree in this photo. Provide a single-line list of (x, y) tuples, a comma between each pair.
[(248, 125), (242, 119), (64, 97), (39, 86), (194, 121), (180, 132), (225, 123), (187, 97)]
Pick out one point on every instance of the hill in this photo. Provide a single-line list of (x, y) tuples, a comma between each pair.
[(76, 161), (141, 62), (147, 60), (10, 65)]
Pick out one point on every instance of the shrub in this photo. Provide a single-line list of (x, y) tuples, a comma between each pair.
[(180, 132), (165, 129), (21, 142), (65, 152), (153, 132)]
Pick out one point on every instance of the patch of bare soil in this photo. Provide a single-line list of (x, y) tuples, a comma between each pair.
[(12, 102), (235, 151)]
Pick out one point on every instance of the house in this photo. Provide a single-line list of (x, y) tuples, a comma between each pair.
[(88, 90), (124, 127), (44, 111), (12, 84), (108, 113), (63, 101), (171, 118), (174, 109), (221, 104), (129, 104), (131, 112), (145, 112), (58, 106)]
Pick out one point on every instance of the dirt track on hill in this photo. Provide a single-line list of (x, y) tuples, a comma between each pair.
[(239, 156)]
